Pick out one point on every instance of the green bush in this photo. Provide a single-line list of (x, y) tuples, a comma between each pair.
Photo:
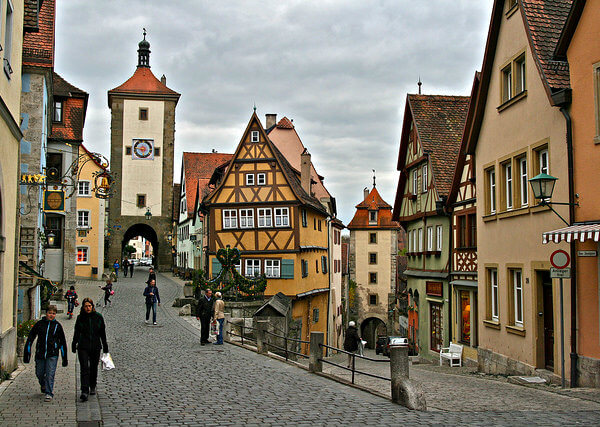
[(24, 328)]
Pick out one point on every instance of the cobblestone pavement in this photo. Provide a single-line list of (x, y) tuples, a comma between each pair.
[(164, 377)]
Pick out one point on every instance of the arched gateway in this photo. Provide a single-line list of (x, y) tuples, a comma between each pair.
[(141, 158)]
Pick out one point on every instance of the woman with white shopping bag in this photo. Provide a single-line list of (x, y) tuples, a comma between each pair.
[(89, 338)]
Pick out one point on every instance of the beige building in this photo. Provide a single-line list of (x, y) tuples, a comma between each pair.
[(518, 133), (11, 37), (373, 255), (90, 218)]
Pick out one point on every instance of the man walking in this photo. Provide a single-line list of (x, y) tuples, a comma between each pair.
[(204, 312), (131, 265), (152, 300), (125, 266)]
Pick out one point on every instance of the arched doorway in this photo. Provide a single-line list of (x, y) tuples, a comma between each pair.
[(145, 231), (370, 328)]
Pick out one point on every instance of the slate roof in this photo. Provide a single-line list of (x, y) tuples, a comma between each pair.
[(199, 168), (439, 122), (373, 202), (143, 82), (545, 20)]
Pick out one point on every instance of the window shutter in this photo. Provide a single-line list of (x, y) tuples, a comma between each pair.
[(287, 268), (216, 267)]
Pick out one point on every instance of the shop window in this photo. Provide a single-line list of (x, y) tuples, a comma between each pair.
[(465, 317), (54, 225)]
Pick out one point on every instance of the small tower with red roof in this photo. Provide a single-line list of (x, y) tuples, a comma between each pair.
[(373, 264), (142, 160)]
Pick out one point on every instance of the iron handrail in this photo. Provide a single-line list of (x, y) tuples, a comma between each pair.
[(353, 368), (287, 351), (357, 355), (288, 338)]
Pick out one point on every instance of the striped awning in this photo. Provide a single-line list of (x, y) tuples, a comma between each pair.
[(581, 232)]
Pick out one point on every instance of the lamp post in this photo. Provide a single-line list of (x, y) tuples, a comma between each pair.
[(543, 187)]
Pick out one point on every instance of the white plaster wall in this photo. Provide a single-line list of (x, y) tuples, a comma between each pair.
[(142, 176)]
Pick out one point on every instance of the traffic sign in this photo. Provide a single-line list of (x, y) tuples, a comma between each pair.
[(560, 273), (560, 259)]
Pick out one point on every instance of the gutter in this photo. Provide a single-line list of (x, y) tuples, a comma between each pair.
[(562, 99)]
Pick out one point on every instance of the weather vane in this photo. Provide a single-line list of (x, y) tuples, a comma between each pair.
[(144, 33), (373, 177)]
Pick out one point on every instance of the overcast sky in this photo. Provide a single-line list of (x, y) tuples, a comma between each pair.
[(340, 69)]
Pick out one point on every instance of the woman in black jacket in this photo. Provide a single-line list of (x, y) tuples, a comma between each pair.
[(89, 338), (351, 341)]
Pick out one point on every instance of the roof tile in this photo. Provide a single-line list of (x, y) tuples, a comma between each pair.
[(198, 168)]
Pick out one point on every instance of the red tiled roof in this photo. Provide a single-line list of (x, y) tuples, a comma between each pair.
[(143, 82), (285, 123), (74, 106), (439, 122), (30, 15), (38, 47), (62, 87), (373, 202), (545, 20), (198, 168)]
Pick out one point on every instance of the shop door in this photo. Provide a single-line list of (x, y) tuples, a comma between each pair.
[(548, 326), (435, 320)]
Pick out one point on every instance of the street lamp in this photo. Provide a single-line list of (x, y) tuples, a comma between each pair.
[(543, 187), (51, 236), (169, 237), (148, 214)]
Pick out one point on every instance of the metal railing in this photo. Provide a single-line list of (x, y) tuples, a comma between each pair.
[(286, 350), (353, 367), (242, 329)]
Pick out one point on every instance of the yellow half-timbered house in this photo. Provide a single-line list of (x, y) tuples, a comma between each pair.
[(264, 207)]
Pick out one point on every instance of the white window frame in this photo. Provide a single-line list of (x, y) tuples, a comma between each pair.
[(424, 179), (518, 296), (520, 67), (439, 236), (415, 182), (238, 266), (524, 181), (246, 218), (492, 183), (372, 217), (249, 179), (273, 268), (252, 267), (265, 217), (494, 294), (261, 179), (282, 217), (83, 221), (544, 161), (86, 185), (430, 238), (509, 185), (420, 240), (230, 219), (87, 255), (254, 136)]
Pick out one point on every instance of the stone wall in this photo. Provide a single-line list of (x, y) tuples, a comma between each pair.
[(588, 372)]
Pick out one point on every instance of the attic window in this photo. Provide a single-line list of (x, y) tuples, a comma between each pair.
[(372, 217), (254, 136)]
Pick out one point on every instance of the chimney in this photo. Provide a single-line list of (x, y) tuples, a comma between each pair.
[(305, 171), (163, 79), (271, 120), (365, 193)]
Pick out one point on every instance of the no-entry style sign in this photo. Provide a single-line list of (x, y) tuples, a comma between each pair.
[(560, 259)]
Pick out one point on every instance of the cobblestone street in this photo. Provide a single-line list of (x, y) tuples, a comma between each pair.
[(164, 377)]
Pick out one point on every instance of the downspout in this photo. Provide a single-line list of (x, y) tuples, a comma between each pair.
[(328, 220), (562, 99)]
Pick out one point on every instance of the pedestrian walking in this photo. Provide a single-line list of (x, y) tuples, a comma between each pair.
[(50, 341), (151, 275), (204, 312), (116, 267), (131, 265), (125, 266), (219, 316), (351, 341), (71, 297), (108, 291), (89, 338), (152, 299)]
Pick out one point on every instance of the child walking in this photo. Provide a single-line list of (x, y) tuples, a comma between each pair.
[(108, 291), (71, 297), (50, 340)]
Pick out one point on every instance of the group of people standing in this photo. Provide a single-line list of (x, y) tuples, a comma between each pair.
[(210, 310), (126, 265)]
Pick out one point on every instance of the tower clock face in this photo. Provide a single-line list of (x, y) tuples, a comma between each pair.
[(143, 149)]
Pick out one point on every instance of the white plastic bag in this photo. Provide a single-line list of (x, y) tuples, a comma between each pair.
[(107, 362)]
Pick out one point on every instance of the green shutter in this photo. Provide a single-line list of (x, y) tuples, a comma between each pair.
[(216, 267), (287, 268)]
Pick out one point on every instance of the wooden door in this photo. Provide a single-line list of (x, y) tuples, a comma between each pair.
[(435, 322), (548, 314)]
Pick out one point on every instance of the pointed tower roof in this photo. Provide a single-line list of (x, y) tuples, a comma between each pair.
[(373, 202), (143, 83)]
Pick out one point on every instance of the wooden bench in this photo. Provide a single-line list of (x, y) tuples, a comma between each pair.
[(453, 354)]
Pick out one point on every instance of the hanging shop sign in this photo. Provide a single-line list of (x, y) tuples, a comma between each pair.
[(33, 179), (54, 201)]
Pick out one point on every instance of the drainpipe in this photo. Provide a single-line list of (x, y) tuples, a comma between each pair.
[(562, 99), (329, 251)]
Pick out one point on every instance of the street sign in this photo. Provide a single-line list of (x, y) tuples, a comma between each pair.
[(587, 253), (560, 273), (560, 259)]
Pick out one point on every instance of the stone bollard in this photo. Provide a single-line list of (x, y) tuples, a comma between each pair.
[(261, 337), (315, 352), (405, 391), (227, 327)]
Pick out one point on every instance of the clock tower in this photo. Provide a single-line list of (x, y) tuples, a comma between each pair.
[(142, 159)]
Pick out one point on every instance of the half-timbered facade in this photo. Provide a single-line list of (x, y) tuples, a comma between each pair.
[(264, 207), (429, 146), (463, 272)]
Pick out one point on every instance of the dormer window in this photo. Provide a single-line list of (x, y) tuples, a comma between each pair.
[(58, 112), (254, 136), (372, 217)]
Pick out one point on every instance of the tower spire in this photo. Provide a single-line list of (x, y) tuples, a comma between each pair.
[(144, 52)]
